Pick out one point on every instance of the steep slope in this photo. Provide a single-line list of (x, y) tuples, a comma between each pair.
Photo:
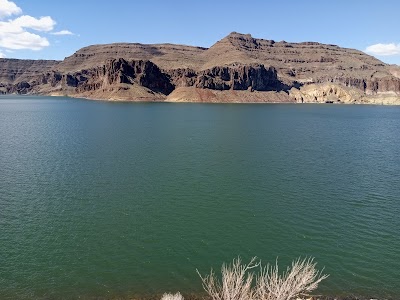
[(236, 67), (304, 62), (166, 56), (116, 79), (230, 50), (21, 71)]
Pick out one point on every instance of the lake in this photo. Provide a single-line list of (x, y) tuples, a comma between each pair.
[(101, 199)]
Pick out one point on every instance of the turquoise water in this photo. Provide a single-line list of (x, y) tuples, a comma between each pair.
[(118, 199)]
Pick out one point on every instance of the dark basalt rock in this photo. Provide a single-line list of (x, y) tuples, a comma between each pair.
[(234, 77), (22, 88), (385, 84), (236, 62), (255, 77), (182, 77), (120, 71)]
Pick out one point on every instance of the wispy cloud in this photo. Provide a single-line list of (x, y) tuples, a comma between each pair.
[(8, 8), (384, 49), (62, 32), (2, 55), (16, 32)]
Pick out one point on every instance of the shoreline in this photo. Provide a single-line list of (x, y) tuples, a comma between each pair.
[(201, 296), (199, 102)]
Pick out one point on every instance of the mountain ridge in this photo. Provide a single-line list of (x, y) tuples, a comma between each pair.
[(276, 71)]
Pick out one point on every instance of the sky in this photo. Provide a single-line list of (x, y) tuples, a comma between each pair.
[(55, 29)]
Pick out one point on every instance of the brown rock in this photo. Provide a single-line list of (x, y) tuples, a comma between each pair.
[(301, 72)]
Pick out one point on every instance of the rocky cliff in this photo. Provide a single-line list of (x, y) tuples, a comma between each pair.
[(238, 68)]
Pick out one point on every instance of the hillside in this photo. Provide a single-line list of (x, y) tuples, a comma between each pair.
[(238, 68)]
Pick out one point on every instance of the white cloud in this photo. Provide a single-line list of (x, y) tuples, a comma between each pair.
[(384, 49), (23, 40), (63, 32), (16, 33), (2, 55), (8, 8), (41, 24)]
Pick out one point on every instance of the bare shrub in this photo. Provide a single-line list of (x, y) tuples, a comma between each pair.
[(298, 280), (168, 296), (236, 281)]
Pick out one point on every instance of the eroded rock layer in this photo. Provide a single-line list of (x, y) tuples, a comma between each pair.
[(236, 67)]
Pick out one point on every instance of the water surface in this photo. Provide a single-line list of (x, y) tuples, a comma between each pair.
[(120, 199)]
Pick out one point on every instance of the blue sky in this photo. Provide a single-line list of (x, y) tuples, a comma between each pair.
[(348, 23)]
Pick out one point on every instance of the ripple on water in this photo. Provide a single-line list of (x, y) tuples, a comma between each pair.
[(98, 199)]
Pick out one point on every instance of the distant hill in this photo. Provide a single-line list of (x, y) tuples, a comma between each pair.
[(238, 68)]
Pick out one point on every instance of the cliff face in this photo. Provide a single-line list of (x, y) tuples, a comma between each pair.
[(237, 67), (16, 70), (116, 76), (121, 73), (15, 74), (165, 56), (234, 77)]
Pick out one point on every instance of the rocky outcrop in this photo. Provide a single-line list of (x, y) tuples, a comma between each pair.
[(385, 84), (18, 70), (234, 77), (336, 93), (238, 65), (116, 72), (119, 74), (370, 86), (253, 77), (325, 93), (165, 56), (182, 77)]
